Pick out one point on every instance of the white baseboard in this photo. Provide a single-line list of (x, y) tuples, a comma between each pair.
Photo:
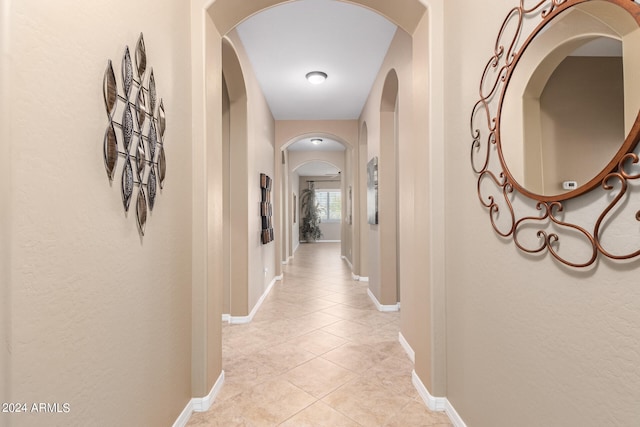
[(355, 277), (380, 307), (433, 403), (241, 320), (285, 262), (328, 241), (348, 263), (453, 415), (438, 404), (363, 279), (184, 416), (407, 348), (200, 404)]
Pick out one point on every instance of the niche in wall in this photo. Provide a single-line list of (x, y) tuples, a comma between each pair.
[(266, 209)]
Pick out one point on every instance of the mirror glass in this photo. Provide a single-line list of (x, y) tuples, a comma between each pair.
[(571, 100)]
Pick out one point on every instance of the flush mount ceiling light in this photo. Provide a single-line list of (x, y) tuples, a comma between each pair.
[(316, 77), (316, 141)]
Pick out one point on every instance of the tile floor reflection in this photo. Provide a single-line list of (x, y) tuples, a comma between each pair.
[(318, 353)]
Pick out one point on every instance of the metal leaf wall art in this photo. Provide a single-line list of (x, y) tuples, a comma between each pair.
[(139, 141)]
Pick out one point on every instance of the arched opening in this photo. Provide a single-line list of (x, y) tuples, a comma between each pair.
[(323, 165), (324, 178), (385, 281), (235, 181), (363, 241), (212, 20), (295, 147)]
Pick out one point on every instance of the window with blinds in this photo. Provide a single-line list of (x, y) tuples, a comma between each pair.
[(330, 202)]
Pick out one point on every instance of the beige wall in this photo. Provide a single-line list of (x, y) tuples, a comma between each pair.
[(101, 318), (582, 120), (260, 136), (382, 237), (529, 342), (227, 216), (347, 230), (417, 60), (5, 211), (294, 183)]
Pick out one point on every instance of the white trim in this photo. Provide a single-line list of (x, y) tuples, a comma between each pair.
[(328, 241), (241, 320), (380, 307), (407, 348), (348, 262), (226, 318), (438, 404), (295, 248), (184, 416), (200, 404), (434, 403), (354, 276), (286, 261), (453, 415)]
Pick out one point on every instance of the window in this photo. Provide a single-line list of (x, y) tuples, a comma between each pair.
[(330, 202)]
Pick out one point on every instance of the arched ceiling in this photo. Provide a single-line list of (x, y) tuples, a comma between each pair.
[(327, 144), (318, 168), (346, 41)]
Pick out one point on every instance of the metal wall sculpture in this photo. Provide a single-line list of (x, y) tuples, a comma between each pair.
[(601, 216), (372, 190), (135, 132), (266, 210)]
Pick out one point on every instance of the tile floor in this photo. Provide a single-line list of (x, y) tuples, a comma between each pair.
[(318, 353)]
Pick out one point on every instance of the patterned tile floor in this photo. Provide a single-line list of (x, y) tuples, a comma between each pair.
[(318, 353)]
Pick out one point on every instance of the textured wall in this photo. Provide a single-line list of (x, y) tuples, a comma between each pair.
[(382, 235), (101, 317), (260, 155), (5, 208)]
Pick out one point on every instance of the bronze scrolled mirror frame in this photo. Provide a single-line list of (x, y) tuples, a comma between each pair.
[(596, 216)]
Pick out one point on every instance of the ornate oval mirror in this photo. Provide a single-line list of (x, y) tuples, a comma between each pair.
[(559, 115)]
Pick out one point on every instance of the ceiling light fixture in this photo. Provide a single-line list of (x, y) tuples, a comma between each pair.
[(316, 141), (316, 77)]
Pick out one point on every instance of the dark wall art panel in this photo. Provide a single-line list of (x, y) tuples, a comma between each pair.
[(372, 190), (266, 209)]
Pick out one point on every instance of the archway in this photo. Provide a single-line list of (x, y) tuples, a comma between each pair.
[(298, 154), (385, 282), (361, 267), (211, 19), (235, 179), (325, 178)]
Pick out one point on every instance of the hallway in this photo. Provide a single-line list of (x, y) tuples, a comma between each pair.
[(318, 353)]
